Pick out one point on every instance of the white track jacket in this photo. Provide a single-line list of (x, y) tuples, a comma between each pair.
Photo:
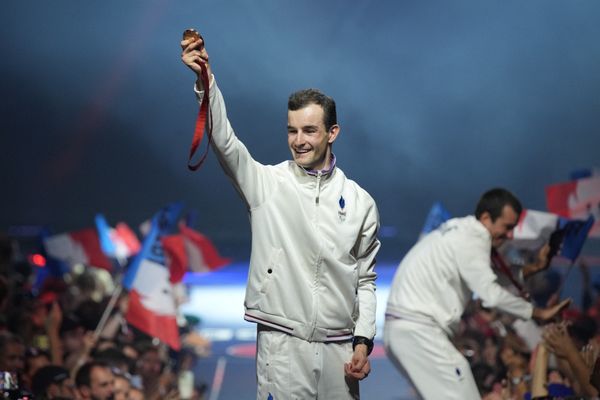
[(439, 275), (314, 241)]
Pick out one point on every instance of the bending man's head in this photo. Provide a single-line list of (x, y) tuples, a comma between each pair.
[(498, 210)]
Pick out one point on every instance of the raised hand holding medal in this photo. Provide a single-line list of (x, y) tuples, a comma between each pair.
[(194, 55)]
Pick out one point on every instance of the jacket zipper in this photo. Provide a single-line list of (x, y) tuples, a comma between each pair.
[(318, 263), (318, 187)]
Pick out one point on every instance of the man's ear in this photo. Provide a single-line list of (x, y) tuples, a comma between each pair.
[(333, 133), (485, 218)]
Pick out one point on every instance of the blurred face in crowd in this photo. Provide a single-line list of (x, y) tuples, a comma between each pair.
[(32, 364), (36, 362), (12, 357), (512, 358), (62, 390), (39, 314), (502, 228), (135, 394), (149, 365), (122, 388), (490, 352), (308, 139), (101, 385), (72, 340)]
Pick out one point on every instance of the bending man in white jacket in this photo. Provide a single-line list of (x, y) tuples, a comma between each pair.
[(433, 284), (311, 281)]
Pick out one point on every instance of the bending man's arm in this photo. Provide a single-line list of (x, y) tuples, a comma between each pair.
[(476, 271)]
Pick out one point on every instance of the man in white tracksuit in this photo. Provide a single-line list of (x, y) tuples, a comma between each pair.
[(311, 283), (433, 284)]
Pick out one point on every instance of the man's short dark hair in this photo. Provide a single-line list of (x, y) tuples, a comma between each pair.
[(84, 374), (493, 202), (305, 97), (46, 376)]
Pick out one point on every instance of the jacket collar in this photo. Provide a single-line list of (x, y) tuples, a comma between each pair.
[(310, 176), (323, 172)]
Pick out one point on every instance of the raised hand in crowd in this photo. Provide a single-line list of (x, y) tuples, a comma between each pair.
[(83, 355), (539, 381), (556, 337), (540, 264), (590, 353), (53, 321)]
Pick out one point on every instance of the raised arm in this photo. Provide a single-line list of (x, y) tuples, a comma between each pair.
[(194, 55), (559, 342), (253, 181)]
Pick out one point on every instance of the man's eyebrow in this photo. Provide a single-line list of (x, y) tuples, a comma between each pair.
[(310, 127), (304, 127)]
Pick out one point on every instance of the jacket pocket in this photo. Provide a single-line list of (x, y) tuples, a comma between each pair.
[(271, 269)]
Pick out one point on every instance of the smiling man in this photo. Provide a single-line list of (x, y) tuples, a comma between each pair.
[(312, 129), (95, 381), (311, 284), (432, 286)]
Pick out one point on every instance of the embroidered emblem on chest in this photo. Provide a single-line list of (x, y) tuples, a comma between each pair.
[(342, 210)]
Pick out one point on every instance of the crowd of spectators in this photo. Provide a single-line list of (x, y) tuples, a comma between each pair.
[(513, 359), (51, 347)]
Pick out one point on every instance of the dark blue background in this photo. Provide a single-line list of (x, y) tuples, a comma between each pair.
[(437, 100)]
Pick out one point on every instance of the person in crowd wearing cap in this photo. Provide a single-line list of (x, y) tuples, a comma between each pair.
[(52, 382), (311, 284), (95, 381), (434, 283), (34, 360)]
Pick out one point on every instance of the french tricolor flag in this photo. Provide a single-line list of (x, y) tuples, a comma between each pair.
[(534, 228), (578, 199), (202, 254), (119, 242), (152, 304), (78, 247), (191, 250)]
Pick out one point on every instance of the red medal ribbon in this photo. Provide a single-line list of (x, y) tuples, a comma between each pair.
[(203, 122), (500, 265)]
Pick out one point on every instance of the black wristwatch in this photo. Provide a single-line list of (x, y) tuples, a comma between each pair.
[(363, 340)]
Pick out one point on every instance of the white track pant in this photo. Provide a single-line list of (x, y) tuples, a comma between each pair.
[(426, 357), (292, 368)]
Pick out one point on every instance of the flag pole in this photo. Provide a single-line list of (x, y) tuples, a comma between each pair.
[(120, 262), (108, 310)]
